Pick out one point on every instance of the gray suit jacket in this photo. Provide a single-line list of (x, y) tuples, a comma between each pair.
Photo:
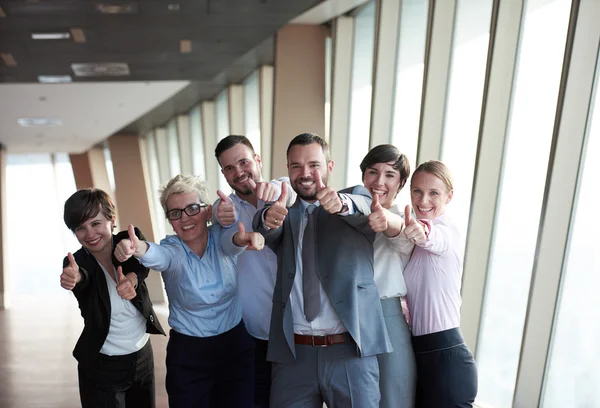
[(345, 267)]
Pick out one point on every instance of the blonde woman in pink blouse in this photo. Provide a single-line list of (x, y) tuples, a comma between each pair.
[(446, 371)]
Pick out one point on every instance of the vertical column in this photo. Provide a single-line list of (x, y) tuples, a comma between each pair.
[(384, 78), (299, 101), (3, 263), (265, 83), (89, 169), (341, 95), (133, 193), (435, 83)]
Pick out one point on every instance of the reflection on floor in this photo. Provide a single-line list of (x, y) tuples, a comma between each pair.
[(37, 369)]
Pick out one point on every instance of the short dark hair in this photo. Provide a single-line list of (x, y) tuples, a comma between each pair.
[(230, 141), (387, 153), (305, 139), (85, 204)]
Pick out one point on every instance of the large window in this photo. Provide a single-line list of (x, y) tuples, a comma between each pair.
[(572, 374), (37, 186), (461, 125), (252, 110), (173, 148), (520, 198), (197, 142), (222, 116), (409, 82), (362, 84)]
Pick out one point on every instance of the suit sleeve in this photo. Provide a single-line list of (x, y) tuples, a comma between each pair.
[(361, 199), (272, 236), (132, 264)]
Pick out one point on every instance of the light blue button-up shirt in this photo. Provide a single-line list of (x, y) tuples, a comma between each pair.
[(201, 291), (256, 269)]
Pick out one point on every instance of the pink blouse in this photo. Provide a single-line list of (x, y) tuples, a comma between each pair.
[(433, 279)]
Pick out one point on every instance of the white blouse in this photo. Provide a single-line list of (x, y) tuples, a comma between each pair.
[(391, 256)]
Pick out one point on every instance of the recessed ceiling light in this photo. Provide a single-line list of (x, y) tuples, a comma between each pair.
[(101, 69), (108, 8), (78, 35), (185, 46), (30, 122), (55, 79), (8, 59), (51, 36), (173, 7)]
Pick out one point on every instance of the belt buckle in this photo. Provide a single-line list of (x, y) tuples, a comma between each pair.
[(319, 345)]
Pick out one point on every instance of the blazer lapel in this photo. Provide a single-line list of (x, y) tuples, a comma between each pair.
[(294, 215), (93, 268)]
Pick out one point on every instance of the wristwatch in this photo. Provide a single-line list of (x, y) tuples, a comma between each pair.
[(344, 205)]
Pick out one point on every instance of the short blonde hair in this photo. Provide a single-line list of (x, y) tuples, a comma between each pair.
[(183, 184), (438, 169)]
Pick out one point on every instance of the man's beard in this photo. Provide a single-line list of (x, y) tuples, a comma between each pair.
[(312, 196), (244, 190)]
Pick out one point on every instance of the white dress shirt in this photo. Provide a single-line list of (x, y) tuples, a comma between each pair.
[(327, 321), (391, 256), (127, 330)]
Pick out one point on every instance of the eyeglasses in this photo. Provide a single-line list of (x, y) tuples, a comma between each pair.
[(190, 210)]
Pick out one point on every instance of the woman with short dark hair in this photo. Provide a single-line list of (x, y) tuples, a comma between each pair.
[(384, 173), (114, 354)]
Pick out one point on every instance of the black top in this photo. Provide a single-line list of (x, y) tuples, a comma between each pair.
[(94, 301)]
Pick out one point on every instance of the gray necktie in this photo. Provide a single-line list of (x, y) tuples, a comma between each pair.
[(310, 278)]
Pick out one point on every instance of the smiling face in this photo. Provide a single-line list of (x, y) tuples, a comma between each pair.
[(429, 195), (239, 164), (305, 162), (384, 180), (188, 228), (95, 234)]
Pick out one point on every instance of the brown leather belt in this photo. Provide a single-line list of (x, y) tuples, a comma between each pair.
[(323, 341)]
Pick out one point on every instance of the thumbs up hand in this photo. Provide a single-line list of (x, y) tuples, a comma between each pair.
[(126, 248), (415, 231), (225, 210), (275, 215), (70, 275), (253, 241), (378, 218), (264, 190), (328, 198), (126, 284)]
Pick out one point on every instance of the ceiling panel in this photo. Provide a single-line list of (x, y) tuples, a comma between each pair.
[(229, 39)]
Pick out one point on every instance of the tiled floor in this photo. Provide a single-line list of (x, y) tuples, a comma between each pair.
[(37, 369)]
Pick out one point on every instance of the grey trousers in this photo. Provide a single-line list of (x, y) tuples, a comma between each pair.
[(333, 375), (397, 370)]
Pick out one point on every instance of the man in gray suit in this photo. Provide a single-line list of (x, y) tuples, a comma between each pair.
[(325, 330)]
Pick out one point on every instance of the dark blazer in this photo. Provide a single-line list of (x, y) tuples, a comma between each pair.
[(92, 294), (345, 267)]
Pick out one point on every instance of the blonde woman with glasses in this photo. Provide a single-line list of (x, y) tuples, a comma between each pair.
[(210, 355)]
